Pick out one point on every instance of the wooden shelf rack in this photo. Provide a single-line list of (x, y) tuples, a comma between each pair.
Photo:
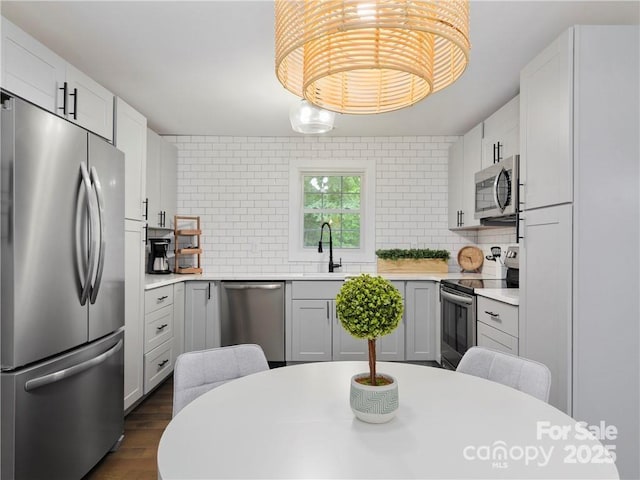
[(183, 225)]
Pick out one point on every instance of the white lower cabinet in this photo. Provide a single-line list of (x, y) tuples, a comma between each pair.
[(178, 319), (421, 315), (158, 335), (310, 331), (497, 326), (201, 316), (345, 345), (317, 335), (158, 328), (495, 339), (391, 347), (133, 312), (313, 316), (158, 364)]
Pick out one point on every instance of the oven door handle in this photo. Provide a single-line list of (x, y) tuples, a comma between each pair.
[(457, 299)]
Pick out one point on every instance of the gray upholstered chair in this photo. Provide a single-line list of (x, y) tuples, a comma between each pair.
[(198, 372), (520, 373)]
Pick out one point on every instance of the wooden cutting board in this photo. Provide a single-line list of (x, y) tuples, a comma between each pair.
[(470, 259)]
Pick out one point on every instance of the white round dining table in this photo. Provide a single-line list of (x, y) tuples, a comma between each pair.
[(296, 422)]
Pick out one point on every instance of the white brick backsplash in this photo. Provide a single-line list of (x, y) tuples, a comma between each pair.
[(239, 187)]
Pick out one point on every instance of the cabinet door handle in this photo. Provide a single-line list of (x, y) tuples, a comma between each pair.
[(494, 153), (461, 218), (64, 89), (328, 317), (160, 299), (162, 327), (163, 363), (496, 316), (499, 156), (209, 290), (75, 103), (146, 208)]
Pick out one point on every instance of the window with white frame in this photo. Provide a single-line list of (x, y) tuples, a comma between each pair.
[(334, 199), (339, 193)]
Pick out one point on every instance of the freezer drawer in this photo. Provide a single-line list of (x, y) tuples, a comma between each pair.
[(60, 417)]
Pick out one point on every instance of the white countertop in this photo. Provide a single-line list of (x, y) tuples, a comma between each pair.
[(506, 295), (155, 281)]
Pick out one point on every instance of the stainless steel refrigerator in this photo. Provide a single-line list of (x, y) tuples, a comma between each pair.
[(62, 295)]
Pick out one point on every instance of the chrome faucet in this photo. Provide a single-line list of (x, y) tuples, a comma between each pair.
[(331, 264)]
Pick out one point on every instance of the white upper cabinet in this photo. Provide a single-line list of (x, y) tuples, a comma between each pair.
[(456, 171), (464, 162), (546, 126), (162, 170), (502, 134), (29, 69), (472, 164), (33, 72), (131, 138), (90, 105), (169, 186)]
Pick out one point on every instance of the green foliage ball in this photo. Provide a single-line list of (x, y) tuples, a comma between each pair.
[(369, 307)]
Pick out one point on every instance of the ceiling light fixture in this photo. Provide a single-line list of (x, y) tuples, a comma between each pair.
[(307, 118), (375, 56)]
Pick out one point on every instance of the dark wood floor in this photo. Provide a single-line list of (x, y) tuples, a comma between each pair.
[(143, 427)]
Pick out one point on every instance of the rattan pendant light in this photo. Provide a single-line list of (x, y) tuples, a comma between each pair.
[(375, 56)]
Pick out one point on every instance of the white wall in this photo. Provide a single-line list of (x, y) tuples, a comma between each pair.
[(239, 187)]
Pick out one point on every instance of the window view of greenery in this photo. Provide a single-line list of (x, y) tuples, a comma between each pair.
[(333, 199)]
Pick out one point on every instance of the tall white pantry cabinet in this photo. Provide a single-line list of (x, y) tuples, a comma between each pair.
[(580, 150)]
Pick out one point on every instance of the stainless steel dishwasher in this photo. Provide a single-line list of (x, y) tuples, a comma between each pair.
[(253, 312)]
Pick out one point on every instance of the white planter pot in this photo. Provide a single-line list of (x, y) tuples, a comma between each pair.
[(374, 404)]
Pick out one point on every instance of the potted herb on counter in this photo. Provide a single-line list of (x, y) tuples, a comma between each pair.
[(413, 260)]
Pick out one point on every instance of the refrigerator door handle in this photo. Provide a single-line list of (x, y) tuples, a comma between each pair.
[(92, 251), (54, 377), (100, 197)]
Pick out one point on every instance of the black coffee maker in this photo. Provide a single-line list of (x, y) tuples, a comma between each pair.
[(158, 262)]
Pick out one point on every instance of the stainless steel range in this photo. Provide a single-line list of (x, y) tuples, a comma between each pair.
[(458, 309)]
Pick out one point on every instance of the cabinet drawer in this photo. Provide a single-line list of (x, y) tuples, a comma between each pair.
[(158, 364), (158, 327), (498, 315), (495, 339), (158, 298), (311, 290)]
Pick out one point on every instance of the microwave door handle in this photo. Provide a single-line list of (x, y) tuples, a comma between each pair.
[(496, 199)]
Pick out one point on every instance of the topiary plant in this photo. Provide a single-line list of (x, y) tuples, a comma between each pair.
[(369, 307)]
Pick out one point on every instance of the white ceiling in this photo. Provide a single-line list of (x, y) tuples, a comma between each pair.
[(207, 68)]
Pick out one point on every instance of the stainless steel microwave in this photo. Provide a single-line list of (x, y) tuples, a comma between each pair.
[(496, 192)]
